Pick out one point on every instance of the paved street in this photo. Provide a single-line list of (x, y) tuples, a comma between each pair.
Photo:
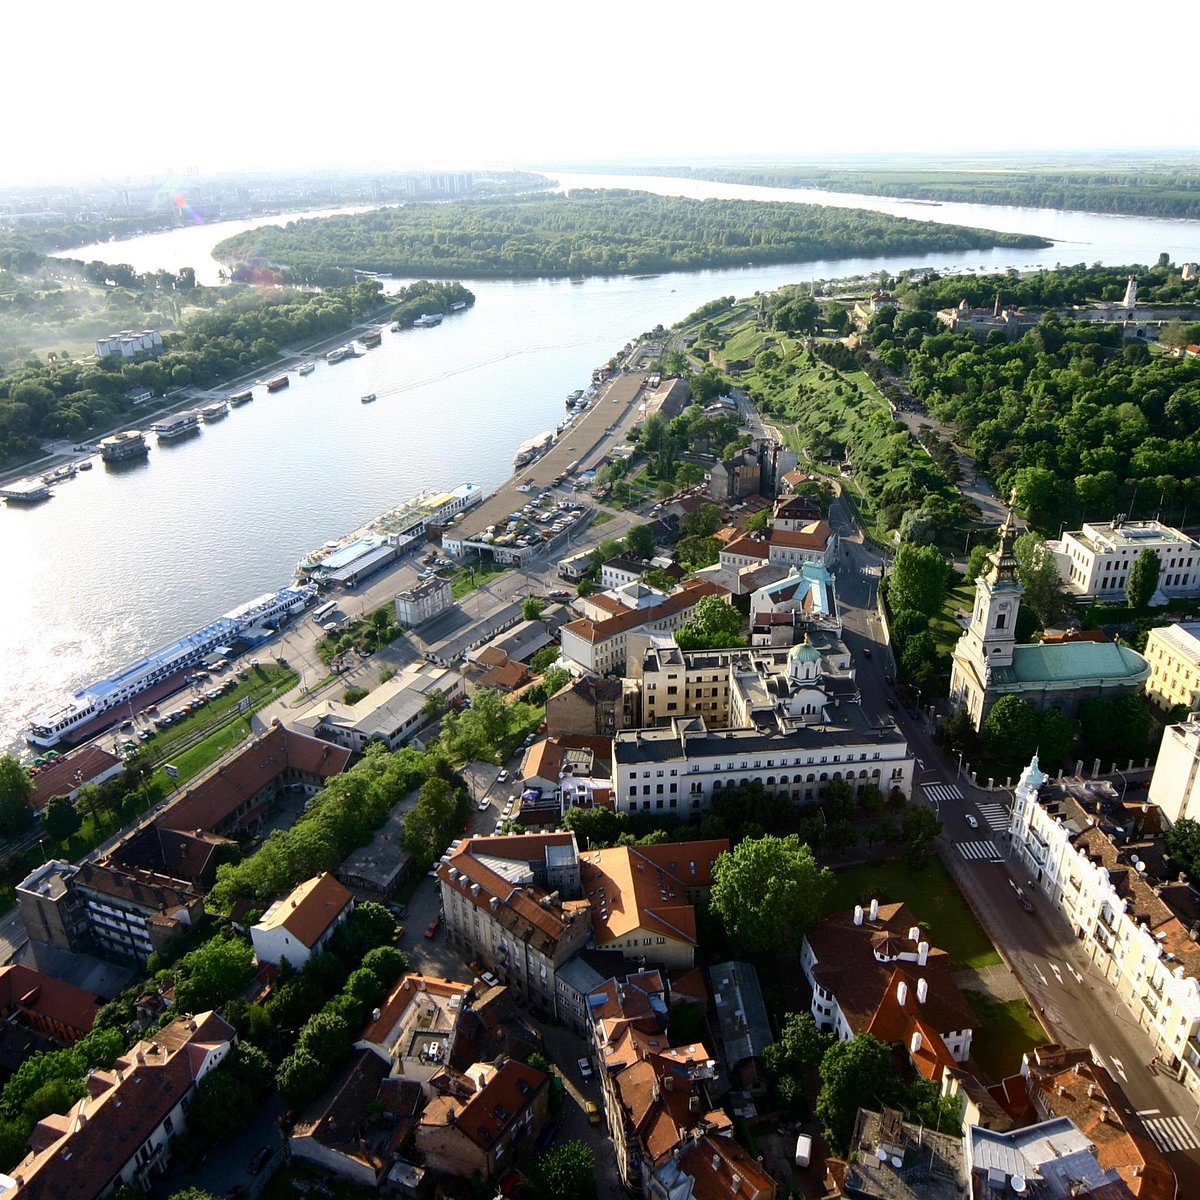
[(1074, 1002)]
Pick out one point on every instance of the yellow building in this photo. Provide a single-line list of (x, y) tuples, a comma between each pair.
[(1174, 657)]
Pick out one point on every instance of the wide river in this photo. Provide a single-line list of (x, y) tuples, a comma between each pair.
[(118, 563)]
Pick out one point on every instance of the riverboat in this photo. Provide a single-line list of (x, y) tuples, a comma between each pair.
[(533, 448), (67, 471), (369, 398), (372, 339), (58, 721), (458, 306), (214, 412), (278, 383), (25, 491), (427, 320), (239, 398), (306, 368), (86, 465), (342, 352), (176, 426), (121, 446)]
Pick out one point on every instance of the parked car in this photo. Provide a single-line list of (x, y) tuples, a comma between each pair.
[(489, 979), (483, 805), (431, 930), (503, 776), (585, 1068), (260, 1160), (593, 1111)]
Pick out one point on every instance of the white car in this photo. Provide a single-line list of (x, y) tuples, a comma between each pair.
[(483, 805), (502, 777), (585, 1068), (970, 820), (489, 979)]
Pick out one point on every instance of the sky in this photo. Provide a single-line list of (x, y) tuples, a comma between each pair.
[(138, 88)]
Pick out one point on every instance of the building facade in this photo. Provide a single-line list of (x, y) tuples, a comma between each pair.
[(1094, 561), (302, 923), (422, 603), (1082, 850), (1175, 784), (1174, 657)]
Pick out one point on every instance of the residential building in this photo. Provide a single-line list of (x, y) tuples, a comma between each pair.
[(621, 570), (589, 705), (191, 857), (710, 1166), (988, 662), (302, 923), (99, 909), (670, 398), (422, 603), (122, 1130), (741, 686), (414, 1028), (484, 1131), (804, 542), (341, 1131), (895, 1159), (804, 597), (759, 468), (518, 644), (1173, 653), (515, 903), (1099, 861), (575, 566), (1175, 784), (793, 513), (393, 713), (628, 596), (599, 645), (240, 791), (1068, 1083), (873, 971), (584, 974), (643, 898), (47, 1005), (744, 1028), (379, 865), (1094, 561)]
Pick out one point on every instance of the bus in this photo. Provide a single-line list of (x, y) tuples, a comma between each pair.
[(572, 468), (324, 611)]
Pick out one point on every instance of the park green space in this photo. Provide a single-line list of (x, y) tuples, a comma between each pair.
[(934, 899), (1007, 1029)]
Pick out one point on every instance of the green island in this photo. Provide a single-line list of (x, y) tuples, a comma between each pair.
[(588, 233), (1154, 193)]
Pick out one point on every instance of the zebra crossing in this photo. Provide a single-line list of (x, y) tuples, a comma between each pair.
[(996, 815), (943, 793), (980, 851), (1171, 1133)]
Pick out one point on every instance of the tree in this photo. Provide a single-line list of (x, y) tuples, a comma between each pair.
[(1010, 730), (595, 828), (713, 625), (430, 823), (1183, 845), (1038, 572), (1056, 736), (768, 892), (532, 608), (1115, 730), (61, 818), (799, 1050), (640, 542), (212, 974), (854, 1074), (368, 926), (918, 579), (1143, 579), (758, 521), (386, 963), (704, 522), (16, 789), (977, 562), (566, 1172), (301, 1077), (921, 826)]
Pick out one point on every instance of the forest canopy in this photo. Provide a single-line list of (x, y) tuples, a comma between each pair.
[(588, 233)]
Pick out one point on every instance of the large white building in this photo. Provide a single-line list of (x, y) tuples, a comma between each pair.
[(422, 603), (1091, 855), (1175, 785), (129, 343), (1173, 653), (1094, 561)]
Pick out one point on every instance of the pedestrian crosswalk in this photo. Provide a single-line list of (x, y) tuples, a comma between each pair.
[(1171, 1133), (981, 851), (943, 793), (996, 815)]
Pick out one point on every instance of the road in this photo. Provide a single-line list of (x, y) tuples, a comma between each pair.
[(1074, 1002)]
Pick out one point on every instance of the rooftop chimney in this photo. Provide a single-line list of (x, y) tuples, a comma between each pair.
[(922, 991), (901, 993), (915, 1044), (874, 910), (922, 953), (858, 914)]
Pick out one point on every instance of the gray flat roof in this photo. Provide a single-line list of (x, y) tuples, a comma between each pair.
[(661, 745)]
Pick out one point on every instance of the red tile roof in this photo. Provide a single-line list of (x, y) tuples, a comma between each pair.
[(46, 1001), (308, 911), (814, 536), (498, 1106), (60, 779), (210, 803), (693, 591)]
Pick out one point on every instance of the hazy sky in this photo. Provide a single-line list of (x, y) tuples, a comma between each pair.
[(137, 88)]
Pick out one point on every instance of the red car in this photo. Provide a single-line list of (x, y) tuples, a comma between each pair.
[(432, 928)]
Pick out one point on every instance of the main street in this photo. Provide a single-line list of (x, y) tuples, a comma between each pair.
[(1074, 1002)]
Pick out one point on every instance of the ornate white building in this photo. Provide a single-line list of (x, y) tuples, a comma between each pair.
[(1085, 849)]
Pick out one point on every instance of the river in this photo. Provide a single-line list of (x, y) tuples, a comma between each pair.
[(118, 563)]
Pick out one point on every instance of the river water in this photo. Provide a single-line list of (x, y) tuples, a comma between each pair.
[(119, 562)]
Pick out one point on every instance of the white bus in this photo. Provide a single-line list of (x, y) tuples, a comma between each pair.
[(324, 611)]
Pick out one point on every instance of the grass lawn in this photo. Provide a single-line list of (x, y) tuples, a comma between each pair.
[(1006, 1030), (945, 629), (464, 580), (931, 894)]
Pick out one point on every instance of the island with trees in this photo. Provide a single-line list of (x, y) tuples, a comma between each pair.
[(588, 233)]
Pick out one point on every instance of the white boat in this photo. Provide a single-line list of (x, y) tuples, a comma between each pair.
[(214, 412), (25, 491), (427, 320), (66, 471), (176, 426), (306, 368)]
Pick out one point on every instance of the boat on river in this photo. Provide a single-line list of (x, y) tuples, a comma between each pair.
[(118, 447), (67, 471), (25, 491), (214, 412), (176, 426), (427, 320), (239, 398), (337, 356), (369, 398), (278, 383), (535, 447), (372, 339)]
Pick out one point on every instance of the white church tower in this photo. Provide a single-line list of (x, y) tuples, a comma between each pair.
[(989, 639)]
